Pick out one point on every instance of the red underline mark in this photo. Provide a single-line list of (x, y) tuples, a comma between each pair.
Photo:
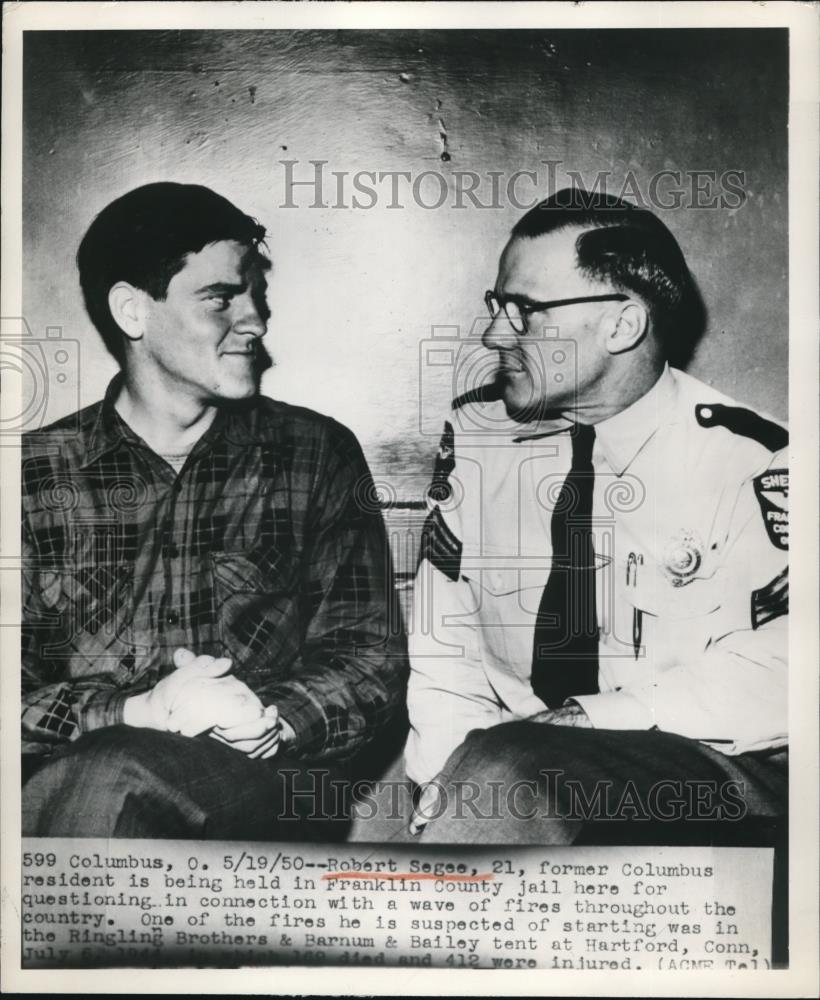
[(487, 877)]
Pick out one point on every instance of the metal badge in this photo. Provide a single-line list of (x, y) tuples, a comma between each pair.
[(682, 557)]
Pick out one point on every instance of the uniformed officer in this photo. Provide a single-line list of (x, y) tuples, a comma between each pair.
[(603, 568)]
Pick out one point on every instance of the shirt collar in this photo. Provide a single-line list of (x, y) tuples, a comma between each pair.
[(108, 430), (237, 423), (623, 436)]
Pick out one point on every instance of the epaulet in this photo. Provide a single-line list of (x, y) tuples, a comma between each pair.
[(744, 422), (488, 393)]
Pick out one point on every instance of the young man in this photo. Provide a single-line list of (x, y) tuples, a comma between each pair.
[(207, 633), (604, 562)]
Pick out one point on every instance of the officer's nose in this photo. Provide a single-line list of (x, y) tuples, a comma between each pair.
[(499, 334)]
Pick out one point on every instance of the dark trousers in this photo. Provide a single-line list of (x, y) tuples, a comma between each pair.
[(527, 783), (126, 782)]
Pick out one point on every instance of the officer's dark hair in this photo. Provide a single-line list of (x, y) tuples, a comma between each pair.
[(625, 246), (143, 238)]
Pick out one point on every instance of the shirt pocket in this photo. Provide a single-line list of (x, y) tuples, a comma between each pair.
[(257, 609), (517, 589), (507, 599), (501, 581), (79, 618), (669, 624)]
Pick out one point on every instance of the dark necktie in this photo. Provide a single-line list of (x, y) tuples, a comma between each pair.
[(565, 648)]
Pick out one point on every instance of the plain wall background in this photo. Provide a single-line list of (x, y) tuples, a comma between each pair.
[(355, 293)]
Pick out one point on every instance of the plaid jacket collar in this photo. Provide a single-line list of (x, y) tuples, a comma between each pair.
[(235, 423)]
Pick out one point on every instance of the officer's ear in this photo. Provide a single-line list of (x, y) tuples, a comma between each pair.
[(128, 307), (625, 327)]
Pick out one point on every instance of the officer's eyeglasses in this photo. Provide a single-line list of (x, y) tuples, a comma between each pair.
[(518, 311)]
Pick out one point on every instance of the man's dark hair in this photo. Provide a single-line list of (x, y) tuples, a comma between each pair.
[(144, 237), (629, 248)]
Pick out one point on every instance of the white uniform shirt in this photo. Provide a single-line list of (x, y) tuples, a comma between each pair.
[(690, 526)]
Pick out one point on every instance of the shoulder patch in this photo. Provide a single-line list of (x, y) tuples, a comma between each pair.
[(745, 422), (771, 601), (772, 492), (440, 546)]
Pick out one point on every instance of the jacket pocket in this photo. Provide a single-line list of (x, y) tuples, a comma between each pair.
[(257, 608), (80, 617)]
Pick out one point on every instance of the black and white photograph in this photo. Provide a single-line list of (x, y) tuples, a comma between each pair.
[(395, 532)]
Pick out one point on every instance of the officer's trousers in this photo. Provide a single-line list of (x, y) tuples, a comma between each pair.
[(529, 783)]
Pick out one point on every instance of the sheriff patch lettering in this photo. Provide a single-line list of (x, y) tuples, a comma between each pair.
[(772, 490)]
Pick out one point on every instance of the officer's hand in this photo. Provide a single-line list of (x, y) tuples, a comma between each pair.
[(567, 715)]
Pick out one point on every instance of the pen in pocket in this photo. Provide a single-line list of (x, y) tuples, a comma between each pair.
[(632, 564)]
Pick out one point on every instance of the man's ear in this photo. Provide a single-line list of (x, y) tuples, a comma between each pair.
[(626, 328), (127, 305)]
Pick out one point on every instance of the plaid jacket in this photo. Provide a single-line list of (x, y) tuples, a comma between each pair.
[(268, 547)]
